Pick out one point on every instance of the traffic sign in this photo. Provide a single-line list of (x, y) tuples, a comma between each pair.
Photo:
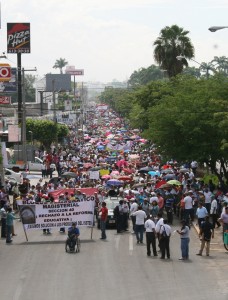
[(5, 99), (5, 72)]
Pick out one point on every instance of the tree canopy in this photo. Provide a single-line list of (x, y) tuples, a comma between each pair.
[(60, 64), (172, 42), (46, 132)]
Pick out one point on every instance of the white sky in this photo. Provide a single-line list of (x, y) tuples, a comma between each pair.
[(110, 39)]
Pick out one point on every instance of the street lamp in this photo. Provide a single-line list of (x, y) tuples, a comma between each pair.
[(215, 28)]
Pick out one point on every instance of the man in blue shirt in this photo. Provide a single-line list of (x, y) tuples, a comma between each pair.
[(73, 234), (201, 213)]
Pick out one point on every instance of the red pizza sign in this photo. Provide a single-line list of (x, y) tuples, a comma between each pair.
[(5, 100)]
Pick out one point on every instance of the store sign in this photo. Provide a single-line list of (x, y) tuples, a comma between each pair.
[(18, 37), (5, 100), (5, 72), (72, 71)]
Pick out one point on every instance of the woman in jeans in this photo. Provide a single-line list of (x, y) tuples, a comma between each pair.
[(184, 236)]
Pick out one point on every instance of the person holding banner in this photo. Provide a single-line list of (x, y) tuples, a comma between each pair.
[(9, 224), (103, 212)]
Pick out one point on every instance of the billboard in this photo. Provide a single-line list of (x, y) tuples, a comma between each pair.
[(5, 100), (72, 71), (18, 38), (10, 86), (5, 72), (58, 82)]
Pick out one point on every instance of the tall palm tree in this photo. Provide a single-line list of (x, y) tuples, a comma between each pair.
[(60, 64), (221, 64), (172, 42)]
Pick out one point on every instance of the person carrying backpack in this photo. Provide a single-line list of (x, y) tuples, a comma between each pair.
[(164, 238)]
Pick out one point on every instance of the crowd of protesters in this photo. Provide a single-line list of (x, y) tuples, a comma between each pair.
[(115, 160)]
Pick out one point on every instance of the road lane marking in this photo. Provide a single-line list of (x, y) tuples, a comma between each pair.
[(117, 241), (130, 244)]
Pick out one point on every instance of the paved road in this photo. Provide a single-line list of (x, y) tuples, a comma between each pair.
[(114, 269)]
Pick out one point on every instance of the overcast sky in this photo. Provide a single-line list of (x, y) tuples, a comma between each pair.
[(110, 39)]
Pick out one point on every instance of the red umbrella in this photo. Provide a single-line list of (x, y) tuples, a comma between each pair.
[(158, 184), (128, 171), (124, 178), (106, 176)]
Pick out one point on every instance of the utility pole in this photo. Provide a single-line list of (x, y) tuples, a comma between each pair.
[(23, 120), (53, 99), (19, 88)]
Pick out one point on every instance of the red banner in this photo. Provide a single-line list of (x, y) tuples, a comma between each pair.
[(88, 191)]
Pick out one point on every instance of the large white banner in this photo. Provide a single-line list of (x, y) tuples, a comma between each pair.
[(55, 215)]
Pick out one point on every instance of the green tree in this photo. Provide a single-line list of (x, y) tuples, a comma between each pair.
[(60, 64), (121, 100), (221, 64), (145, 75), (45, 131), (172, 42), (192, 122), (192, 71), (30, 92)]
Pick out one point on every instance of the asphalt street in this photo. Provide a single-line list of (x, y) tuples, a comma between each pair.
[(117, 268)]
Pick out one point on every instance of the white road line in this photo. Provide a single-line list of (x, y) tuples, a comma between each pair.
[(117, 241), (130, 244)]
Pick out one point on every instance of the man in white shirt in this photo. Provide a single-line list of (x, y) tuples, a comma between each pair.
[(150, 236), (165, 233), (207, 195), (188, 206), (133, 208), (160, 222), (213, 212), (139, 224)]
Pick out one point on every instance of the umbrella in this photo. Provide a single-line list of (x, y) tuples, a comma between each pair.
[(106, 176), (125, 178), (69, 174), (100, 147), (95, 168), (137, 185), (114, 182), (164, 186), (87, 165), (167, 171), (174, 182), (169, 176), (115, 173), (133, 156), (128, 171), (154, 173), (145, 170), (160, 183), (184, 170)]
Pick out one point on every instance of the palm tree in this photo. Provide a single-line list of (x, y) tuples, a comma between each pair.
[(206, 68), (221, 64), (60, 64), (173, 42)]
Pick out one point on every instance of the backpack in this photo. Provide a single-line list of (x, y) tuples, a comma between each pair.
[(164, 234)]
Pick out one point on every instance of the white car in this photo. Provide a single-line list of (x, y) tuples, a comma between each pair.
[(37, 165), (13, 176)]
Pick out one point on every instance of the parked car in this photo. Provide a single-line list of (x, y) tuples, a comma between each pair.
[(13, 176), (111, 203)]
